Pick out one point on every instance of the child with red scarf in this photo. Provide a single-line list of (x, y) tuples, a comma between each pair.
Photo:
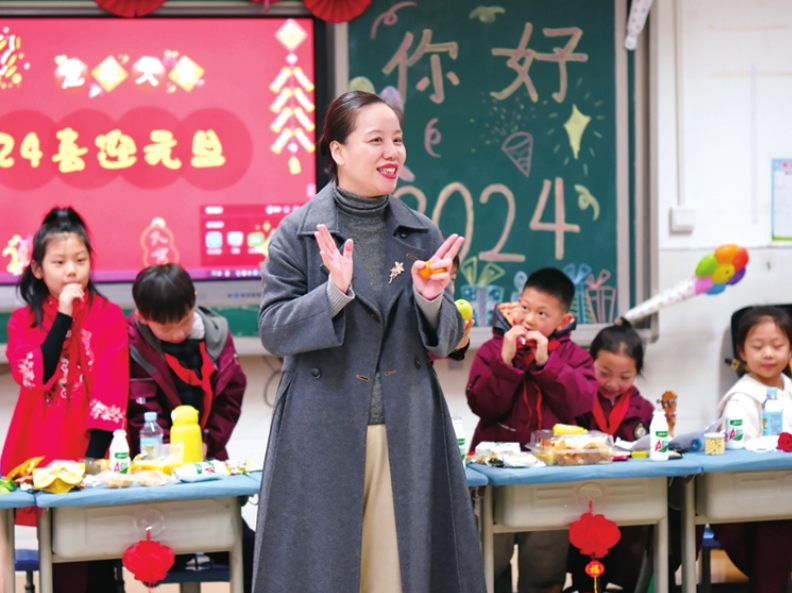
[(530, 376), (619, 410), (183, 354), (68, 350)]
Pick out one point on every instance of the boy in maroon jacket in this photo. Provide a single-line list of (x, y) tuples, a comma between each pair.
[(530, 376), (181, 354)]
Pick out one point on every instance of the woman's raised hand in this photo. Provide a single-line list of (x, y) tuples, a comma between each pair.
[(430, 288), (338, 264)]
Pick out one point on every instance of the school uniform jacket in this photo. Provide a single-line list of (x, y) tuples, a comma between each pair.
[(152, 388), (635, 423), (310, 521), (506, 397)]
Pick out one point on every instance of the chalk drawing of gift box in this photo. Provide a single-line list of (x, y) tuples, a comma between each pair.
[(581, 307), (601, 298), (480, 291)]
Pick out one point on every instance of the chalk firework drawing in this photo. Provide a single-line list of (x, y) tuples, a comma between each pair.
[(519, 148)]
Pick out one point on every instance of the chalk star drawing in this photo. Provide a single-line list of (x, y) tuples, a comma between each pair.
[(575, 126)]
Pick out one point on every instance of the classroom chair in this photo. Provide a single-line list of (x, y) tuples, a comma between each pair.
[(735, 321), (27, 561), (199, 569)]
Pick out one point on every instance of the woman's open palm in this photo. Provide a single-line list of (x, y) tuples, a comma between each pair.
[(338, 263)]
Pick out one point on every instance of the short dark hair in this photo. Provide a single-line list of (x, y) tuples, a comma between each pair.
[(619, 339), (554, 282), (339, 122), (163, 294), (58, 221), (757, 315)]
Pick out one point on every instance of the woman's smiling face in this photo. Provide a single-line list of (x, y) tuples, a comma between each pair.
[(370, 159)]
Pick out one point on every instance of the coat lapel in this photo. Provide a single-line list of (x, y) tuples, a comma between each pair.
[(398, 249)]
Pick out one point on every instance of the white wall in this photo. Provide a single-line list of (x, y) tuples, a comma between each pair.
[(714, 149)]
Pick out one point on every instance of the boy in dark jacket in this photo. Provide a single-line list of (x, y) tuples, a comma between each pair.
[(530, 376), (182, 354)]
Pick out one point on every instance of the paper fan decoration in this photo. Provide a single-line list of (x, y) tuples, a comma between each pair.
[(130, 8), (337, 11)]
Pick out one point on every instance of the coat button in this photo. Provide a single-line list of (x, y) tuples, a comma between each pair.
[(403, 235), (417, 362), (316, 373), (375, 317)]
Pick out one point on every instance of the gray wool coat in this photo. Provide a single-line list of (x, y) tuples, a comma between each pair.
[(308, 536)]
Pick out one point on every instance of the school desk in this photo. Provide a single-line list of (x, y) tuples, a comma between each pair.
[(631, 492), (8, 503), (101, 523), (735, 487)]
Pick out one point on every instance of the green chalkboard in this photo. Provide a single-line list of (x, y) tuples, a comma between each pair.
[(511, 127)]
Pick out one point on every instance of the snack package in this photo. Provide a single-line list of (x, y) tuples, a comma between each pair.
[(521, 459), (110, 479), (201, 472), (23, 473), (58, 477), (166, 466), (589, 448), (154, 478), (236, 468), (7, 487)]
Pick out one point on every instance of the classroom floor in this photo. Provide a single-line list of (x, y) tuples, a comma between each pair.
[(725, 578)]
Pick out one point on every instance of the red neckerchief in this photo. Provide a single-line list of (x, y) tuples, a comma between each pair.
[(74, 364), (191, 377), (611, 425), (527, 359)]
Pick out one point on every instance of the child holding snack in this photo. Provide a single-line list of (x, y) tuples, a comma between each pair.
[(531, 376), (760, 549), (69, 352), (619, 410)]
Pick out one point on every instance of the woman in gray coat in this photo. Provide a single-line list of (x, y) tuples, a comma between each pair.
[(363, 488)]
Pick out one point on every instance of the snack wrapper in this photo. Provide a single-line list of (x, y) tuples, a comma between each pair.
[(201, 472), (23, 473), (58, 477), (589, 448)]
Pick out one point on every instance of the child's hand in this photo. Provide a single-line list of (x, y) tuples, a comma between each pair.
[(70, 293), (509, 348), (466, 338), (540, 349)]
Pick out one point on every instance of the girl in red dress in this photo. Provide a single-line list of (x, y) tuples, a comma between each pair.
[(68, 349)]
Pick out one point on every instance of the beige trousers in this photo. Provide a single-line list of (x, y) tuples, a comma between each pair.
[(379, 563)]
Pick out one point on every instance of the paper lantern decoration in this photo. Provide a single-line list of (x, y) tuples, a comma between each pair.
[(714, 272), (639, 10), (148, 561), (337, 11), (130, 8), (594, 535)]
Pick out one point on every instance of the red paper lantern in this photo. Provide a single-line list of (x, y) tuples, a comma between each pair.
[(337, 11), (148, 561), (785, 442), (594, 569), (130, 8), (593, 534)]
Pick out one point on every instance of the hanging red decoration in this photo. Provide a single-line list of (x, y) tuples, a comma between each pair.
[(130, 8), (148, 561), (593, 534), (785, 442), (594, 569), (337, 11)]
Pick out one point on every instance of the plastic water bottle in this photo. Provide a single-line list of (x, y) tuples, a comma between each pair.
[(772, 414), (459, 429), (119, 452), (735, 425), (658, 439), (151, 437)]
